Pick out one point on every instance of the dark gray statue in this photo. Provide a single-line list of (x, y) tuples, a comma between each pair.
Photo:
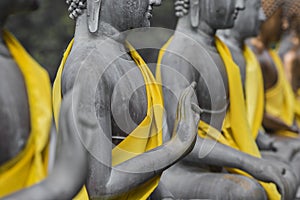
[(247, 25), (26, 111), (191, 55), (14, 126), (100, 75)]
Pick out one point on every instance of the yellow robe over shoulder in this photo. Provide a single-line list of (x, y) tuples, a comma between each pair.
[(297, 106), (147, 136), (30, 165), (254, 88), (236, 131), (280, 99)]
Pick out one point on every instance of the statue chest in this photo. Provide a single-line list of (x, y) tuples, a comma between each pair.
[(212, 89), (128, 99), (14, 110)]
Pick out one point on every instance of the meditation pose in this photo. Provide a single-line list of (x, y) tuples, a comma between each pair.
[(279, 115), (110, 127), (247, 25), (225, 139), (25, 113)]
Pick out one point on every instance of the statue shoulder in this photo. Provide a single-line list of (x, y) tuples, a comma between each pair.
[(83, 61)]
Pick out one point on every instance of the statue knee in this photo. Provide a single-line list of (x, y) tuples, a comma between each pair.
[(247, 188)]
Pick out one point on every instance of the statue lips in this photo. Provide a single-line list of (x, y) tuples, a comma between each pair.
[(235, 14), (148, 13)]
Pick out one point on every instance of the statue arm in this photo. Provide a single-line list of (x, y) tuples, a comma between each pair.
[(70, 167), (274, 123), (264, 141)]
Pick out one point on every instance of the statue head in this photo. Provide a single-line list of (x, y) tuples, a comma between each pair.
[(121, 14), (272, 27), (249, 21), (218, 14)]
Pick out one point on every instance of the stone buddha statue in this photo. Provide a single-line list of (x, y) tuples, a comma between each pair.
[(247, 25), (26, 113), (289, 49), (278, 93), (110, 127), (224, 139)]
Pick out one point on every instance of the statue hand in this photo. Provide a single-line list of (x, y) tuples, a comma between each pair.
[(187, 117), (290, 180), (279, 174), (285, 149), (294, 128)]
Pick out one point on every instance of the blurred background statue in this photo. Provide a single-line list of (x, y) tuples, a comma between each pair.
[(289, 49), (26, 113)]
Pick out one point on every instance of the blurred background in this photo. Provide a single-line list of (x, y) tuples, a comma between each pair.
[(46, 32)]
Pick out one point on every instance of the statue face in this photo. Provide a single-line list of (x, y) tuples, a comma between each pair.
[(129, 14), (272, 27), (221, 14), (249, 20)]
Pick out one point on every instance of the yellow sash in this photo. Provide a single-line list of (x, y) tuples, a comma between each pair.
[(280, 100), (297, 106), (145, 137), (30, 166), (236, 130), (254, 91)]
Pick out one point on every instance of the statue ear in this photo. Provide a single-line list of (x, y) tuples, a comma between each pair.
[(93, 14), (194, 12)]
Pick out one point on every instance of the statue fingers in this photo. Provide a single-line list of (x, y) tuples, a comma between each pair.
[(190, 103), (183, 103), (197, 112)]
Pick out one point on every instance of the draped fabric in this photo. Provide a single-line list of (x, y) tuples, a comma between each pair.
[(30, 165), (297, 106), (280, 99), (254, 88), (147, 136)]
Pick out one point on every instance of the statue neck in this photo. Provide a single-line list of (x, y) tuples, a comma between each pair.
[(203, 33), (258, 44), (264, 40), (105, 30), (235, 38)]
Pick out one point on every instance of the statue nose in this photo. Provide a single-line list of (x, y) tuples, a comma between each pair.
[(240, 4)]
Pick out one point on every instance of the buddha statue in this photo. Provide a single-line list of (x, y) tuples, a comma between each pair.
[(26, 113), (225, 160), (110, 127), (289, 49), (278, 93), (247, 25)]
